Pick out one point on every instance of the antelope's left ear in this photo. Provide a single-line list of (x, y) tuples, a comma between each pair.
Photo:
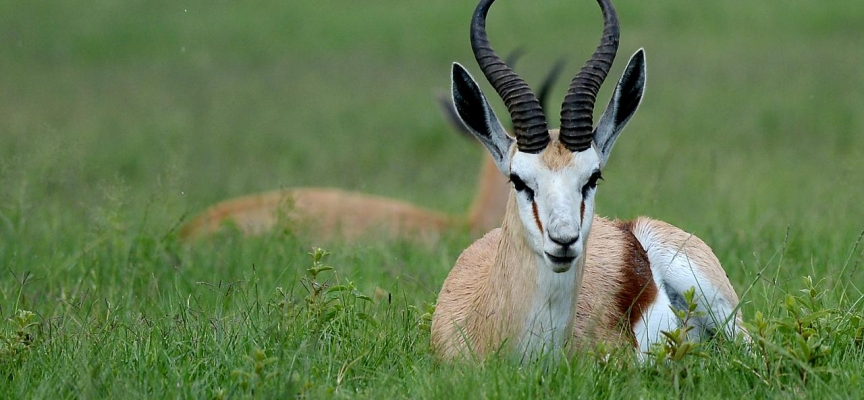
[(625, 101), (477, 115)]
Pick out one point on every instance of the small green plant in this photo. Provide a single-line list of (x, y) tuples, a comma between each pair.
[(806, 324), (677, 344), (803, 339), (325, 298), (282, 302), (258, 371), (672, 355), (425, 320), (760, 329), (318, 254), (16, 345), (316, 299)]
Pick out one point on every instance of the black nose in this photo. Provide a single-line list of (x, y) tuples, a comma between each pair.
[(564, 241)]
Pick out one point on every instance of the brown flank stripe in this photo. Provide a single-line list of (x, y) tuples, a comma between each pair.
[(637, 290)]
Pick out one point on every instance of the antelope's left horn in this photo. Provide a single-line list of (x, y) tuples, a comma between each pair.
[(577, 112), (529, 122)]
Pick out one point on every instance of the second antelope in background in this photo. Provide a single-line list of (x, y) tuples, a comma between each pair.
[(328, 213), (555, 273)]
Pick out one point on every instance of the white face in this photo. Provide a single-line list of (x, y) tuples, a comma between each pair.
[(555, 196)]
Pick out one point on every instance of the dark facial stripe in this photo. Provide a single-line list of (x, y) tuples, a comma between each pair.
[(637, 290), (582, 211), (536, 216)]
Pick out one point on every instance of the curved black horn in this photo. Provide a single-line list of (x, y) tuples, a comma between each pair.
[(577, 112), (529, 122)]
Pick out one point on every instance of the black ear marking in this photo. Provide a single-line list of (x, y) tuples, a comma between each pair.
[(632, 85), (449, 109), (624, 103), (475, 112), (469, 101), (452, 116)]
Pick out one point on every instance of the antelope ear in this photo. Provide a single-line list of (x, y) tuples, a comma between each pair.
[(452, 116), (449, 109), (625, 101), (479, 118)]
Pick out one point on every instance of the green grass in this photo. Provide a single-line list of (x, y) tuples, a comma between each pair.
[(122, 119)]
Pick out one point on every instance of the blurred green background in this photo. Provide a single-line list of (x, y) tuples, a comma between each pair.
[(119, 120), (753, 121)]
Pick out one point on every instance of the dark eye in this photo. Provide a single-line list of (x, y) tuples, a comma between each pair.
[(520, 186), (592, 183)]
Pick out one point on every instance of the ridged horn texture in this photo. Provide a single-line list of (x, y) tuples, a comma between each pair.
[(577, 112), (529, 122)]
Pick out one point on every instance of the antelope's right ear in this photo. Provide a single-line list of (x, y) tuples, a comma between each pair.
[(479, 118), (624, 103)]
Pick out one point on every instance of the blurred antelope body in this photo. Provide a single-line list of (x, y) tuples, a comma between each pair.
[(327, 213), (555, 273)]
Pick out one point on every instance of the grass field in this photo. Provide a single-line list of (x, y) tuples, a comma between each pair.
[(121, 120)]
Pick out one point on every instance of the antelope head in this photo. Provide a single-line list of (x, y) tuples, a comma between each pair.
[(554, 172)]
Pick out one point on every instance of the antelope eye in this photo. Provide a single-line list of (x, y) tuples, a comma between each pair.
[(521, 187), (592, 183), (518, 184)]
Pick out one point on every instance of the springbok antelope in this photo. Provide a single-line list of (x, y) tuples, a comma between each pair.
[(327, 213), (555, 273)]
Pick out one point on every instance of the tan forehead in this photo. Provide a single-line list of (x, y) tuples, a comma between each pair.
[(555, 156)]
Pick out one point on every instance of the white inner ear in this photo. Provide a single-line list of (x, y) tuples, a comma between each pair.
[(606, 129), (500, 140)]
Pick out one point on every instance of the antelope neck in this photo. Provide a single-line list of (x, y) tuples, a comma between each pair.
[(532, 306)]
